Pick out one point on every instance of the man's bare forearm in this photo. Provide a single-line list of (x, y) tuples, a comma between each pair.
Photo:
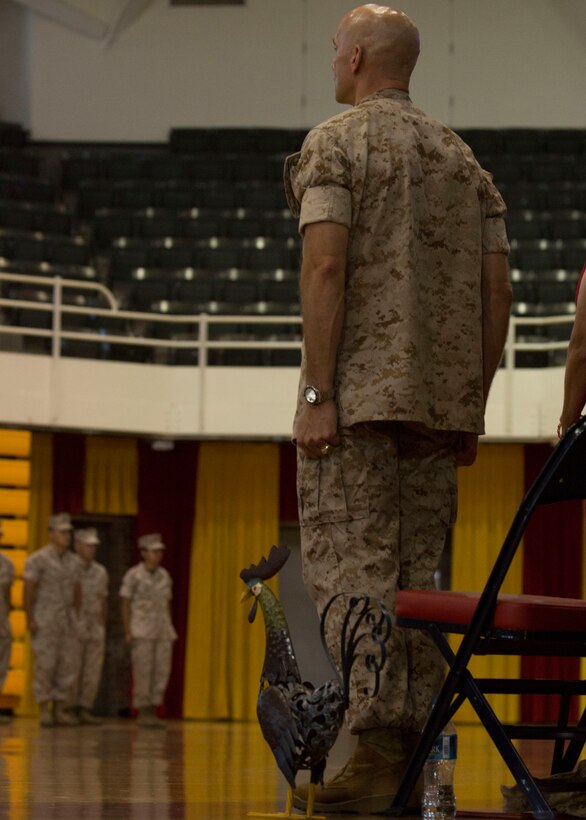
[(575, 373), (322, 287)]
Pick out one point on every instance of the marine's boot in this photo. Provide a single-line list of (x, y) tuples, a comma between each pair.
[(369, 780), (148, 718), (46, 715), (143, 717), (87, 719), (155, 721), (63, 716)]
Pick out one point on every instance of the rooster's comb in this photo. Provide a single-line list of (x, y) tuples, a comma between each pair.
[(267, 567)]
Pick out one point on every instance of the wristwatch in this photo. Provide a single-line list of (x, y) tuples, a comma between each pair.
[(314, 395)]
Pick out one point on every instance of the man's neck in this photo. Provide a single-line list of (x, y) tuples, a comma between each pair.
[(367, 88)]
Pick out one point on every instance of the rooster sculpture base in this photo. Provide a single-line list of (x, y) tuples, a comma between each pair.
[(299, 721), (309, 815)]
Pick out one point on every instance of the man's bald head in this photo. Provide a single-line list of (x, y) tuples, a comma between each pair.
[(386, 42)]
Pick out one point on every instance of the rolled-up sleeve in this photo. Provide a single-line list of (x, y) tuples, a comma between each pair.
[(317, 182)]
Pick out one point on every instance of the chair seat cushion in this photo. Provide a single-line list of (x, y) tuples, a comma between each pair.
[(513, 612)]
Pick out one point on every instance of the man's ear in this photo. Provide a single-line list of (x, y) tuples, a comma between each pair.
[(356, 59)]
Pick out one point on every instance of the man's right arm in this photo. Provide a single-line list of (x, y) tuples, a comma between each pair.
[(30, 596), (322, 287), (125, 610), (575, 372)]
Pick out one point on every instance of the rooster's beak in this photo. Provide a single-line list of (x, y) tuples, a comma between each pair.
[(248, 593)]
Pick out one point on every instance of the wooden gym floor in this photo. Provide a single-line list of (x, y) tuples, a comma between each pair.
[(204, 771)]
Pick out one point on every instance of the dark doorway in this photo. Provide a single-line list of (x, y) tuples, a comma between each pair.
[(115, 552)]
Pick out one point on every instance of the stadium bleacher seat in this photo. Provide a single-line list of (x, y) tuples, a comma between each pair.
[(202, 225)]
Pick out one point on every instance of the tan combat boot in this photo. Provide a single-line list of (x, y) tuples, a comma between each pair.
[(143, 717), (369, 780), (63, 716), (148, 718), (46, 715), (87, 719)]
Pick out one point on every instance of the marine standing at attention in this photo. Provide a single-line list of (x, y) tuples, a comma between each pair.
[(91, 624), (6, 581), (405, 298), (52, 596), (146, 594)]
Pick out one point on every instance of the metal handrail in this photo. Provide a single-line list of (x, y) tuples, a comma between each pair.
[(201, 320)]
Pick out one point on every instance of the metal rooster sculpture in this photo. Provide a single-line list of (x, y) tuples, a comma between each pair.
[(299, 722)]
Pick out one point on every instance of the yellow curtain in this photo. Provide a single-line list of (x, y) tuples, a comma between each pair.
[(111, 475), (489, 493), (236, 523), (41, 507)]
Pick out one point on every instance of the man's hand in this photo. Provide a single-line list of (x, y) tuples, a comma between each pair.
[(466, 449), (316, 426)]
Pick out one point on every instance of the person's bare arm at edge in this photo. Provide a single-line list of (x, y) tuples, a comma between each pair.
[(497, 296), (322, 286), (575, 373)]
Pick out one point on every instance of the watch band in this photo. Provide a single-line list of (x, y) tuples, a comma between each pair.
[(314, 396)]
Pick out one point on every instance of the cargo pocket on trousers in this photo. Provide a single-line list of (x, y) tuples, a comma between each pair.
[(333, 488)]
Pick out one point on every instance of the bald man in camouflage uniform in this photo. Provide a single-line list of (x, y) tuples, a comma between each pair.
[(6, 581), (146, 594), (405, 299), (91, 625), (51, 598)]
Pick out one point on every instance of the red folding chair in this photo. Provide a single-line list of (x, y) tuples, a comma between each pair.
[(497, 624)]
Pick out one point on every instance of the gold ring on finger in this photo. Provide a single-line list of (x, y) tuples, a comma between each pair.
[(325, 449)]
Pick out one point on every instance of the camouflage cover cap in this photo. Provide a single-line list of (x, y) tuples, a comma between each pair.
[(87, 536), (60, 521), (151, 542)]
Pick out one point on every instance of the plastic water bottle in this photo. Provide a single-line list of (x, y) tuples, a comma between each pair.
[(439, 800)]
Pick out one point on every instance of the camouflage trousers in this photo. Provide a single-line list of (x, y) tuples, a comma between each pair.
[(151, 667), (5, 649), (54, 648), (89, 662), (374, 517)]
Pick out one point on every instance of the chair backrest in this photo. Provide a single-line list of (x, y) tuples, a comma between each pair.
[(562, 478)]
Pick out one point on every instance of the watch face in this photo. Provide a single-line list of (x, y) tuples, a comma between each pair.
[(310, 394)]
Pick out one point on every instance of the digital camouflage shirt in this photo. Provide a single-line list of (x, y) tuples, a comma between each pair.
[(57, 577), (421, 212), (93, 578), (149, 594), (6, 580)]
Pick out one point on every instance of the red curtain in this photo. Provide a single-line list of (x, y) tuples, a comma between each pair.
[(68, 472), (166, 504), (552, 565)]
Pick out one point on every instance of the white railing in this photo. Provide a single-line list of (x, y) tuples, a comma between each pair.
[(202, 322)]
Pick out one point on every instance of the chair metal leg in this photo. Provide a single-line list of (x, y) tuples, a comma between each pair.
[(539, 806), (574, 750), (459, 682), (559, 745)]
